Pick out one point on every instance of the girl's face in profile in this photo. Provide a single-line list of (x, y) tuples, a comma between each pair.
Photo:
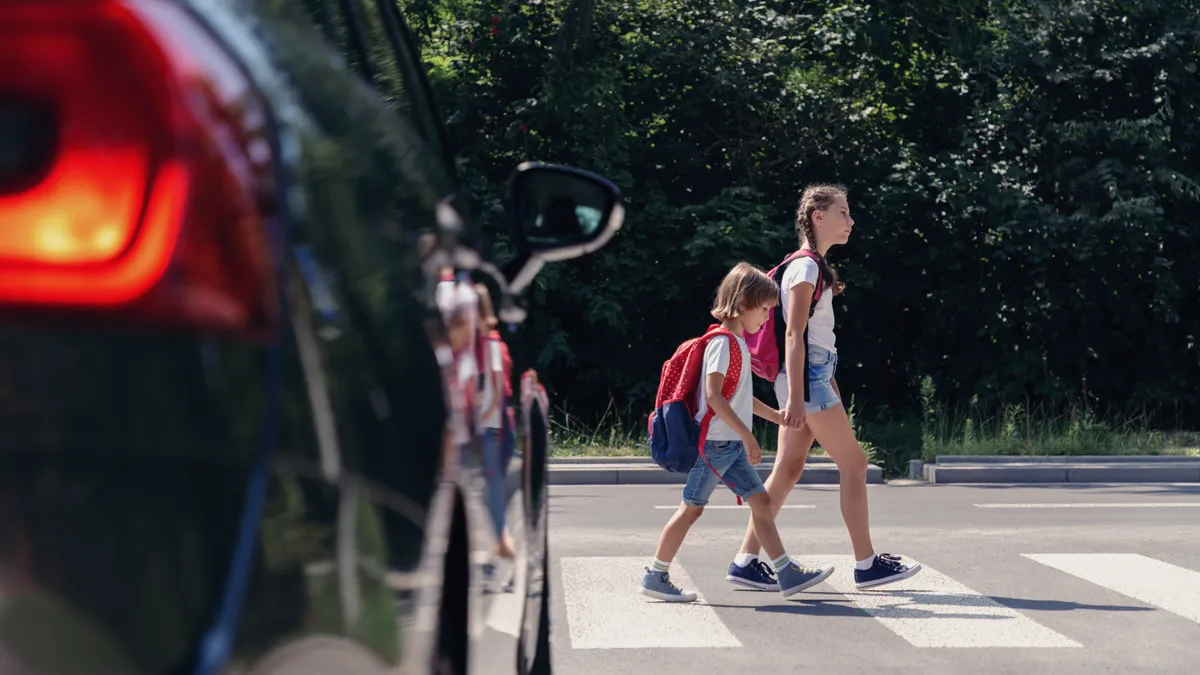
[(834, 224)]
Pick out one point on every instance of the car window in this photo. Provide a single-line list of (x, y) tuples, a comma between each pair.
[(378, 45)]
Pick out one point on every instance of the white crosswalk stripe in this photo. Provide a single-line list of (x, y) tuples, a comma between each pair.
[(1154, 582), (929, 611), (933, 610), (733, 507), (1092, 505), (605, 612)]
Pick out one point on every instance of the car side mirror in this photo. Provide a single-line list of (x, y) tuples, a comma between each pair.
[(558, 213)]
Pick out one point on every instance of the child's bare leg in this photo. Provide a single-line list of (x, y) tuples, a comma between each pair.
[(833, 429), (793, 578), (657, 583), (762, 517), (794, 445), (677, 528)]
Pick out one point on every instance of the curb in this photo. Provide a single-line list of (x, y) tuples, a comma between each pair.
[(1065, 459), (648, 473), (949, 469), (641, 459), (1125, 470)]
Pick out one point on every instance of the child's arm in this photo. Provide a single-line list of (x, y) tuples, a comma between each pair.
[(721, 408), (720, 405), (767, 412), (799, 300), (494, 367)]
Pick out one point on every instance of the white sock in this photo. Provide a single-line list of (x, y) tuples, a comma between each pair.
[(781, 562), (660, 566), (865, 564), (743, 559)]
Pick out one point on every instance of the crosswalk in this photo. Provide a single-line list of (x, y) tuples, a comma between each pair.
[(929, 611)]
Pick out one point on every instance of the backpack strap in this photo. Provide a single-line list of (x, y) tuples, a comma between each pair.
[(780, 326), (733, 377), (812, 308)]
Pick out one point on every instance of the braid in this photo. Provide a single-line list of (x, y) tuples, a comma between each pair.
[(816, 198)]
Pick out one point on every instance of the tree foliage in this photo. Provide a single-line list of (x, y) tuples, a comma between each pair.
[(1023, 174)]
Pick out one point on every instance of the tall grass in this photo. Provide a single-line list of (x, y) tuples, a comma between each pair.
[(1032, 429), (617, 434), (892, 440)]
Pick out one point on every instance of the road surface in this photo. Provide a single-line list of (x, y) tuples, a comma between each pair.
[(1073, 579)]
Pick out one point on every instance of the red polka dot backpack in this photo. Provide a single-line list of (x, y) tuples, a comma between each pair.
[(676, 439)]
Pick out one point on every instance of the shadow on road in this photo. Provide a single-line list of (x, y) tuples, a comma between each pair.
[(919, 600)]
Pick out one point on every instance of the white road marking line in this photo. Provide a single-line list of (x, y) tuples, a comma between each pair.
[(933, 610), (1095, 505), (743, 507), (605, 610), (504, 612), (1154, 582)]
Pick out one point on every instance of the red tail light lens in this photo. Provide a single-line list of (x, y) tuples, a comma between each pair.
[(134, 168)]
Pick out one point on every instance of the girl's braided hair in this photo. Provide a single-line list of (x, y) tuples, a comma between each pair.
[(818, 197)]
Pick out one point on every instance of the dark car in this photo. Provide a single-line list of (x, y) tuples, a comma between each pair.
[(225, 432)]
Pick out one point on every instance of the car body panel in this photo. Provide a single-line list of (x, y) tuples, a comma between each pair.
[(156, 447)]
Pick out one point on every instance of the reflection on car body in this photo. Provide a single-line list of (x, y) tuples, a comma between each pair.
[(233, 441)]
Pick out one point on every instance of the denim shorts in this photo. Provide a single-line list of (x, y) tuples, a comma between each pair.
[(495, 473), (822, 365), (729, 459)]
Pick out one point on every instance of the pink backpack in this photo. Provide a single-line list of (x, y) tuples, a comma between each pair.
[(766, 346)]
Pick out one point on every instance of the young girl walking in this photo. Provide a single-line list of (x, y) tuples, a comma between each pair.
[(822, 222), (744, 301), (494, 423)]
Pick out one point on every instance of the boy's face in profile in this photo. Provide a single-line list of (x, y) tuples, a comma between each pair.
[(753, 319)]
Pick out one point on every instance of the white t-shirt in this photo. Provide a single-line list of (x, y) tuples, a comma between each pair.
[(493, 372), (468, 377), (820, 326), (455, 297), (716, 360)]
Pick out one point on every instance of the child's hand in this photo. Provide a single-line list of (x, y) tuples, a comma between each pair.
[(794, 416), (753, 452)]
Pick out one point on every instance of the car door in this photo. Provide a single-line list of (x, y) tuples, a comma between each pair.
[(356, 513), (502, 618), (181, 491), (510, 621), (374, 178), (226, 443)]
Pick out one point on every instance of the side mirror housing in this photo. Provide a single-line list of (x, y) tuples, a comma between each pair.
[(558, 213)]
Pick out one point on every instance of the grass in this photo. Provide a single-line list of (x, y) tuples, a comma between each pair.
[(892, 442)]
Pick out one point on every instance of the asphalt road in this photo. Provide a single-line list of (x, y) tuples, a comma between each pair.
[(1072, 579)]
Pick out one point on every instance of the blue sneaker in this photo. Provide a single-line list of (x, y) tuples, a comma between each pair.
[(795, 578), (658, 585), (886, 569), (756, 575)]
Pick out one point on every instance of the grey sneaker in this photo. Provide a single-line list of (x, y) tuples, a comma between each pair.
[(795, 578), (658, 585)]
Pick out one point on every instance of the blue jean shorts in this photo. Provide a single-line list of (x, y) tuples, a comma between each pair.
[(822, 366), (729, 459)]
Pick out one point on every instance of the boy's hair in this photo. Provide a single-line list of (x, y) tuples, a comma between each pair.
[(745, 287)]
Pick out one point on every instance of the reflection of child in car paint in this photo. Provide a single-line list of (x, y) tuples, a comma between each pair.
[(459, 305), (493, 421)]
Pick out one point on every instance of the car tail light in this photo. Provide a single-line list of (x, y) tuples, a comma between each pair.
[(135, 169)]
